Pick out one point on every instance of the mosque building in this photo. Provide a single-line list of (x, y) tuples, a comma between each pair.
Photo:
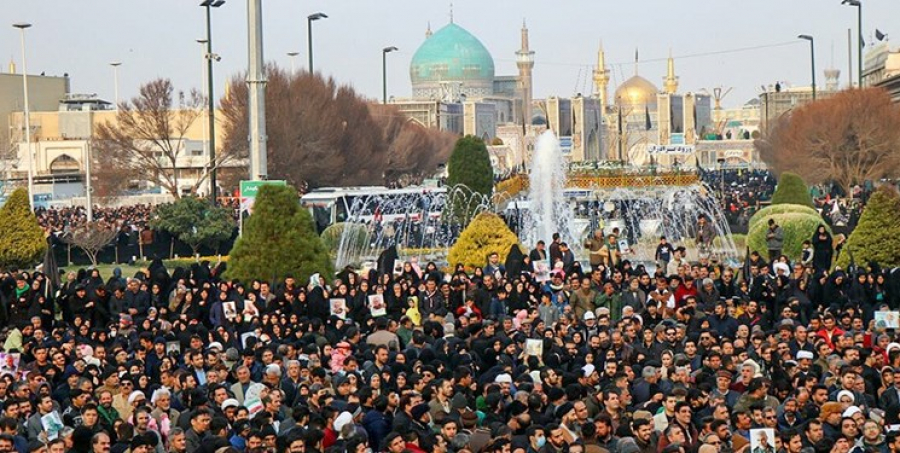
[(455, 88)]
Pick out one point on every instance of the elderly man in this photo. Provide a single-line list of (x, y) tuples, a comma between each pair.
[(162, 406)]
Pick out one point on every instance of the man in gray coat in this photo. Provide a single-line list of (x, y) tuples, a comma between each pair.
[(774, 240)]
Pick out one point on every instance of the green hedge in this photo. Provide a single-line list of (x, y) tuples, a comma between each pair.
[(764, 213), (875, 238), (791, 189), (797, 227)]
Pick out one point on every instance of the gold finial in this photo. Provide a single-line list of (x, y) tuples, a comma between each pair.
[(635, 61), (451, 12), (428, 32), (12, 66)]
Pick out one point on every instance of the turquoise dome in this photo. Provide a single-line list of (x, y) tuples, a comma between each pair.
[(452, 54)]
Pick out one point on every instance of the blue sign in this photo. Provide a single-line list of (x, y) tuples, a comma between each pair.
[(565, 145)]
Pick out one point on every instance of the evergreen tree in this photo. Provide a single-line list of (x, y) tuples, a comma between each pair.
[(279, 238), (486, 234), (470, 177), (22, 243), (875, 237), (791, 190), (470, 165)]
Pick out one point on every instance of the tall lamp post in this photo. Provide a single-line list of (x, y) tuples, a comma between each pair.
[(22, 27), (209, 5), (115, 65), (309, 20), (858, 5), (293, 56), (812, 56), (384, 53), (203, 80)]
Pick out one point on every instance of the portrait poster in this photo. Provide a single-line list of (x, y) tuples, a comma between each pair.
[(9, 363), (762, 440), (377, 307), (339, 308), (534, 347), (542, 270), (250, 310), (230, 310), (887, 319), (246, 335), (173, 347), (52, 424)]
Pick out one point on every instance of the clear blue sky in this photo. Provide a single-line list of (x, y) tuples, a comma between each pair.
[(156, 38)]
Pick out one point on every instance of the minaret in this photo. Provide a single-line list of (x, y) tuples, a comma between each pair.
[(671, 81), (601, 77), (832, 77), (525, 62)]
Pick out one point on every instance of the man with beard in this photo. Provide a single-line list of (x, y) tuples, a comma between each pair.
[(568, 422), (644, 436), (557, 440), (792, 441)]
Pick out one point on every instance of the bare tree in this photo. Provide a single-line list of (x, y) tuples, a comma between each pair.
[(849, 138), (148, 137), (320, 133), (92, 238)]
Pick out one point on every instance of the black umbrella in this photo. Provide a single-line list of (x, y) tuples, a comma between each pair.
[(514, 261)]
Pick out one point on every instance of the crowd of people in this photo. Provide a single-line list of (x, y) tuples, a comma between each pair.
[(693, 356), (64, 219), (742, 191)]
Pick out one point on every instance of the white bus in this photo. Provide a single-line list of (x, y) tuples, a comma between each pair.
[(330, 205)]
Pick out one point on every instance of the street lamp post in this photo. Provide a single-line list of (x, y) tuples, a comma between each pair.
[(812, 56), (209, 5), (309, 21), (293, 56), (203, 80), (858, 5), (384, 53), (115, 65), (27, 112)]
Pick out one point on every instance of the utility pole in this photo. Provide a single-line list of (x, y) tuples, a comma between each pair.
[(256, 79)]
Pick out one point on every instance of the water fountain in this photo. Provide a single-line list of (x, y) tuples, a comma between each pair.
[(547, 210), (420, 223), (644, 216), (642, 204)]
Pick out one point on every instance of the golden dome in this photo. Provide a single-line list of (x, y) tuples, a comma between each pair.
[(636, 91)]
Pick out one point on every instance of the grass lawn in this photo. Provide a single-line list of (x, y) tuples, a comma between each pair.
[(106, 270)]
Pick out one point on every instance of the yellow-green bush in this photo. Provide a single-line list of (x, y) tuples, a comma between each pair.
[(797, 227), (487, 233)]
